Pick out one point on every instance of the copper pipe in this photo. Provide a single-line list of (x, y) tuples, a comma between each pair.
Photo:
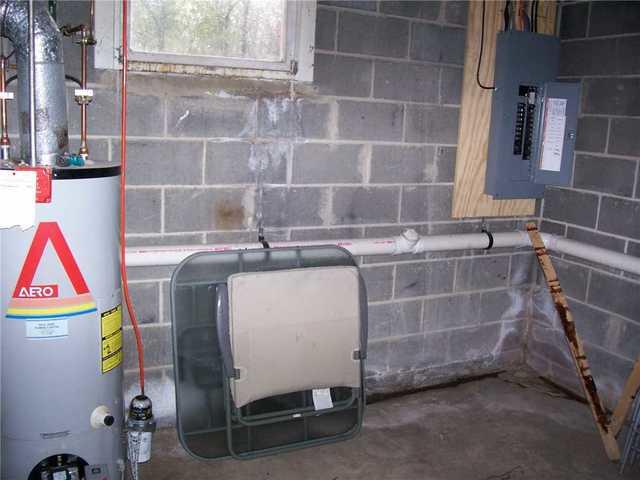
[(84, 149), (5, 144)]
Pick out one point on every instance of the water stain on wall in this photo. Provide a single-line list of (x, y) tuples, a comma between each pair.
[(228, 215)]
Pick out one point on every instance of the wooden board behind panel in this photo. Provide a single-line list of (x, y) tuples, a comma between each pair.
[(469, 199)]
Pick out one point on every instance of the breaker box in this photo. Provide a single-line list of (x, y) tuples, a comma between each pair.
[(533, 118)]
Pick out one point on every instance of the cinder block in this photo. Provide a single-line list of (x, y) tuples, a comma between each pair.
[(524, 269), (393, 319), (294, 207), (619, 216), (592, 134), (597, 239), (614, 17), (443, 313), (160, 162), (243, 162), (327, 163), (369, 35), (547, 226), (451, 86), (325, 29), (426, 203), (624, 138), (611, 96), (436, 43), (406, 81), (443, 169), (377, 358), (571, 206), (627, 55), (595, 326), (436, 348), (397, 164), (98, 149), (146, 298), (326, 233), (424, 278), (343, 76), (432, 124), (574, 20), (210, 117), (379, 282), (589, 57), (474, 343), (406, 353), (427, 10), (456, 12), (505, 305), (284, 117), (573, 278), (370, 120), (146, 114), (481, 273), (550, 343), (143, 210), (157, 343), (604, 174), (353, 205), (614, 294), (207, 209)]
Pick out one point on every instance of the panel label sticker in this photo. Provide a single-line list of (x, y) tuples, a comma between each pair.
[(111, 333), (47, 328), (322, 398), (555, 121), (18, 198)]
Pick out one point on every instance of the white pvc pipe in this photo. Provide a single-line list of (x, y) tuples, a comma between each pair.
[(408, 242)]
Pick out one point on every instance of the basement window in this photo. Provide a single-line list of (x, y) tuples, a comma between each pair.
[(250, 38)]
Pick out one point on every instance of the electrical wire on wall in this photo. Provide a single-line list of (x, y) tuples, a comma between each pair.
[(484, 87), (123, 220)]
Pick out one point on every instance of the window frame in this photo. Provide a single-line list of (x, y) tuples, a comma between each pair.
[(298, 49)]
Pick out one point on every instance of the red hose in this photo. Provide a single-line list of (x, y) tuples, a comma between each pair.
[(123, 217)]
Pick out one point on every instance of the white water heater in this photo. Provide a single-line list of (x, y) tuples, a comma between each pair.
[(60, 298), (62, 333)]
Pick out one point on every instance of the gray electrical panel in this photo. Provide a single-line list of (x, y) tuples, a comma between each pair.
[(533, 118)]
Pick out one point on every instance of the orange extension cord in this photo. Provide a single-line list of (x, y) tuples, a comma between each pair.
[(123, 217)]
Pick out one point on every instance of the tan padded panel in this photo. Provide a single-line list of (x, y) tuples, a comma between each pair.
[(294, 330)]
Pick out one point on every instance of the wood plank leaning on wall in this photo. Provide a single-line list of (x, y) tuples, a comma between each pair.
[(469, 199), (575, 345)]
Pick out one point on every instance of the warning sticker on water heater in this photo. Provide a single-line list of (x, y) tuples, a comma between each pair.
[(111, 332)]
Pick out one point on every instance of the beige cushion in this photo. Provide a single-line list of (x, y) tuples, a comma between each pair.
[(294, 330)]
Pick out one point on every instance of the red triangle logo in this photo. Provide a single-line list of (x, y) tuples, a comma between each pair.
[(50, 231)]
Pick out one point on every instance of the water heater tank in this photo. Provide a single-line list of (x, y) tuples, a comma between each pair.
[(62, 410)]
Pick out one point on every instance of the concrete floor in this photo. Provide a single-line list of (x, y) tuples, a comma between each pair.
[(505, 428)]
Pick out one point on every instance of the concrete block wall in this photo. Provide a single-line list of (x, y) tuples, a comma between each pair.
[(366, 151), (602, 206)]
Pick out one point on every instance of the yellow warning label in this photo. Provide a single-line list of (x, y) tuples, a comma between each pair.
[(111, 332)]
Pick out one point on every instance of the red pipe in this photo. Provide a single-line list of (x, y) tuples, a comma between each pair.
[(123, 219)]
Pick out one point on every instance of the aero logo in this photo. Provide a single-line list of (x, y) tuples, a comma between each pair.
[(48, 231)]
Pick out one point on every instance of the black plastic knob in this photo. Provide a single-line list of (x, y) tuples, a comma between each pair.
[(109, 420)]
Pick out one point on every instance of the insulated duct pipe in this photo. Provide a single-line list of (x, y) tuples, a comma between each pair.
[(408, 242), (51, 128)]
